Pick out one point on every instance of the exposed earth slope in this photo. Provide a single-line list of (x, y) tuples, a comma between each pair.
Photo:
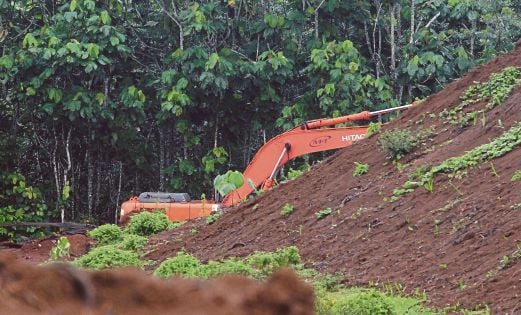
[(451, 242)]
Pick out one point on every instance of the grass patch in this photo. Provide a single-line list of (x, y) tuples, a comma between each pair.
[(212, 218), (148, 223), (287, 209), (109, 256), (397, 143), (323, 213), (106, 234), (500, 146), (258, 265), (360, 169), (495, 91), (516, 176)]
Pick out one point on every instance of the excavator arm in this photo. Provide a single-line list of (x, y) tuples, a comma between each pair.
[(312, 136), (285, 147)]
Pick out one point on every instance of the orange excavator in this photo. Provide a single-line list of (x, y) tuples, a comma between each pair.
[(312, 136)]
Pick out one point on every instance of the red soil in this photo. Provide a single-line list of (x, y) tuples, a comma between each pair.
[(62, 289), (455, 260), (38, 250)]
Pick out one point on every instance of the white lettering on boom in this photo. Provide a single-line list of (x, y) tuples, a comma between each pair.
[(352, 137)]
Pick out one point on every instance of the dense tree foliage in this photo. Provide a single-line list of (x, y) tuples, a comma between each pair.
[(100, 100)]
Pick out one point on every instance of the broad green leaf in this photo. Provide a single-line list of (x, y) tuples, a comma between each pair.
[(114, 41), (235, 178), (212, 61), (93, 50), (73, 5), (30, 91), (181, 84), (55, 95), (48, 108), (353, 67), (226, 188), (100, 98), (105, 18), (6, 62), (29, 41)]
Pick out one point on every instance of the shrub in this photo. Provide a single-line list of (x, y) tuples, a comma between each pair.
[(230, 266), (294, 174), (323, 213), (212, 218), (373, 129), (133, 242), (106, 234), (19, 202), (287, 209), (397, 143), (61, 250), (109, 256), (268, 262), (182, 264), (367, 302), (517, 175), (148, 223), (360, 169)]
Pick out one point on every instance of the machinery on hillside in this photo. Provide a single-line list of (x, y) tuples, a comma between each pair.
[(312, 136)]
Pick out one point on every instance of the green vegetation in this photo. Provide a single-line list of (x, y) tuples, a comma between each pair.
[(119, 248), (397, 143), (258, 265), (373, 129), (287, 209), (366, 302), (424, 177), (494, 91), (296, 173), (516, 176), (212, 218), (132, 242), (360, 169), (19, 202), (228, 182), (109, 256), (148, 223), (323, 213), (107, 234), (61, 250)]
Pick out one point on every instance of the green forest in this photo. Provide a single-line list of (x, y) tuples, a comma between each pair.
[(100, 100)]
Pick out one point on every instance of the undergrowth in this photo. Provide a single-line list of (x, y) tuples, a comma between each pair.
[(287, 209), (323, 213), (494, 92), (331, 296), (424, 177), (257, 265), (516, 176), (212, 218), (148, 223), (117, 247), (360, 169), (397, 143), (106, 234), (109, 256)]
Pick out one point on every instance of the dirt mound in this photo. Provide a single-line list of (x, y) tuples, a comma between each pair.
[(62, 289), (38, 250), (450, 242)]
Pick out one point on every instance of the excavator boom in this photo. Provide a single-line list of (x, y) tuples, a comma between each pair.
[(312, 136)]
